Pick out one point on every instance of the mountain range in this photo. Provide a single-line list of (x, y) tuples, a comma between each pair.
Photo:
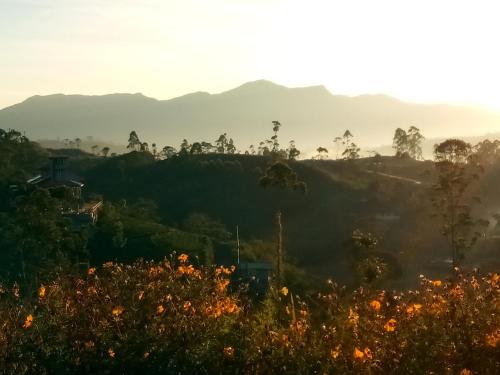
[(312, 116)]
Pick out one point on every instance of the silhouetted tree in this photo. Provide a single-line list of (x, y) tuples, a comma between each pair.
[(78, 142), (94, 149), (196, 148), (351, 150), (168, 151), (414, 139), (105, 151), (279, 175), (400, 142), (134, 142), (293, 152), (221, 143), (322, 153), (457, 168)]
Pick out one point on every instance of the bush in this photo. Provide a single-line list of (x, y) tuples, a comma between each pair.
[(172, 318)]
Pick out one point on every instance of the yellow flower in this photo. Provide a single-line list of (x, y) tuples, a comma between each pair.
[(437, 283), (390, 326), (28, 322), (111, 353), (375, 305), (358, 354), (41, 292), (91, 271), (183, 258), (284, 291), (160, 309), (228, 352), (353, 317), (368, 353), (334, 353), (117, 311)]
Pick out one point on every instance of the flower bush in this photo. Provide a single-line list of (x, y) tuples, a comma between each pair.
[(173, 317)]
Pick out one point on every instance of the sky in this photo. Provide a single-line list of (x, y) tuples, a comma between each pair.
[(420, 51)]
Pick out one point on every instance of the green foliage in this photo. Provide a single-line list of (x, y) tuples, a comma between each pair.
[(37, 239)]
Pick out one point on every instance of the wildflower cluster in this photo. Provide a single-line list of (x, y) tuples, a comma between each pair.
[(173, 317)]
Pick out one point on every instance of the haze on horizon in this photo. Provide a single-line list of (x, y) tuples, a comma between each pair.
[(420, 51)]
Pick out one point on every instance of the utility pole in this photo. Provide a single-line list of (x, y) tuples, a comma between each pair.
[(238, 243)]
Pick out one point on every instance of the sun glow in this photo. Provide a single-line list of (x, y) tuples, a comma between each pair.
[(423, 51)]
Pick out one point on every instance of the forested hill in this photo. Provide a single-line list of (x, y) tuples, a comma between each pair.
[(341, 196), (312, 117)]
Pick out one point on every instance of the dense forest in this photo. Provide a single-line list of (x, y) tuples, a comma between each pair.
[(375, 222)]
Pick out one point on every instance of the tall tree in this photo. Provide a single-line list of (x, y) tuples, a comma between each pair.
[(134, 142), (293, 152), (280, 176), (275, 143), (230, 148), (457, 168), (400, 142), (105, 151), (415, 139), (351, 150), (322, 153), (78, 142), (221, 143), (168, 151)]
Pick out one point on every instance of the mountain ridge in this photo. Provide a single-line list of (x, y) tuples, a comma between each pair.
[(310, 115)]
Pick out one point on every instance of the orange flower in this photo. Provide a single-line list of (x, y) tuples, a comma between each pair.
[(91, 271), (228, 352), (375, 305), (89, 344), (494, 339), (160, 309), (111, 353), (183, 258), (117, 311), (284, 291), (41, 292), (413, 309), (222, 285), (495, 279), (466, 371), (437, 283), (187, 305), (334, 353), (140, 296), (390, 326), (358, 354), (28, 322)]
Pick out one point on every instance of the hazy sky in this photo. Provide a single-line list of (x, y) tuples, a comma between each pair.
[(427, 51)]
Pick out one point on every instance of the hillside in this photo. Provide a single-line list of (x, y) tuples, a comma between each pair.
[(311, 115), (341, 197)]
